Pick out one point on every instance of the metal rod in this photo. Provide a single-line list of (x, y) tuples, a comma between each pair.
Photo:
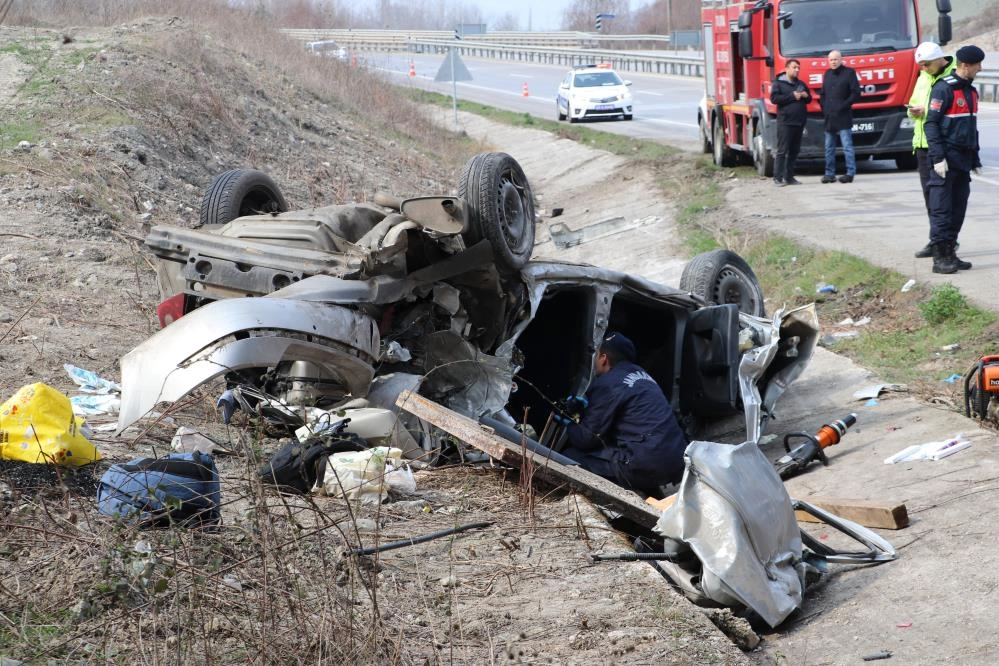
[(415, 540)]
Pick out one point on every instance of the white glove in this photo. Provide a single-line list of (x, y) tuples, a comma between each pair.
[(977, 171), (941, 168)]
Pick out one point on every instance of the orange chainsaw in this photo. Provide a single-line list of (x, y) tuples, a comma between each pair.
[(981, 389)]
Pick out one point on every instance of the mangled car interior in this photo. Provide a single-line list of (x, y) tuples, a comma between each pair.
[(341, 309)]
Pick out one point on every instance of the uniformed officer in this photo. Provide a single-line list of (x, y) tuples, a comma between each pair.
[(933, 64), (952, 138), (629, 433)]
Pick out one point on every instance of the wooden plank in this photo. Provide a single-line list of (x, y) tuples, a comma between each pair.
[(597, 488), (883, 516)]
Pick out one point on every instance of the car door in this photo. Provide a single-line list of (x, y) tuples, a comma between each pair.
[(709, 370)]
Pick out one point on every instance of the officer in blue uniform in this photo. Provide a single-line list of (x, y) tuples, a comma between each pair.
[(952, 137), (629, 433)]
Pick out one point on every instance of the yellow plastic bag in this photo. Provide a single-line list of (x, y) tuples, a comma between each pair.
[(37, 425)]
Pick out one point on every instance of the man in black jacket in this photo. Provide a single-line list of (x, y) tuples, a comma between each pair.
[(840, 91), (629, 433), (791, 96), (952, 136)]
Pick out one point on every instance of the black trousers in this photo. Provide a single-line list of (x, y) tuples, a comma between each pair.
[(788, 147), (924, 167), (948, 204)]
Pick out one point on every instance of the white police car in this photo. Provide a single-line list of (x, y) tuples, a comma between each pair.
[(593, 91)]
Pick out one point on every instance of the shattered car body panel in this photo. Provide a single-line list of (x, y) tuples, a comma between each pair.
[(240, 333), (733, 512), (450, 298)]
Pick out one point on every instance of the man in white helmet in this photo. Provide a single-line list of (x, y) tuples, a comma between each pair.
[(933, 66)]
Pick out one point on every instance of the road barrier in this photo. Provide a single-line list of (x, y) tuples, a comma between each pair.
[(566, 48)]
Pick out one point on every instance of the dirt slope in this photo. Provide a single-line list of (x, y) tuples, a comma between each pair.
[(111, 131)]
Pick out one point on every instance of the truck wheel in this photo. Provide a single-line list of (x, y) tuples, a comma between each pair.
[(240, 192), (722, 276), (705, 136), (500, 208), (906, 162), (763, 159), (722, 153)]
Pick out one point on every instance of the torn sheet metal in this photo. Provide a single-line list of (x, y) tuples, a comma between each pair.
[(234, 334), (732, 510), (463, 378)]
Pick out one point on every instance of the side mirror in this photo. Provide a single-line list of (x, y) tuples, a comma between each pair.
[(446, 215), (746, 43), (787, 23), (944, 29), (745, 20), (943, 6)]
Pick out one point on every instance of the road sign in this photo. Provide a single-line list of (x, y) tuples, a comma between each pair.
[(453, 69)]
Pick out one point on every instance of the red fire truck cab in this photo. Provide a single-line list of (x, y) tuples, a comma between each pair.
[(748, 43)]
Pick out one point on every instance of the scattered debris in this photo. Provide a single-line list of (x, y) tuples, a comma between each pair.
[(952, 379), (951, 347), (874, 390), (908, 286), (823, 288), (930, 450), (37, 425), (884, 654)]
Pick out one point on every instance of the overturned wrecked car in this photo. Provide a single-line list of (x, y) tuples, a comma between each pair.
[(352, 304)]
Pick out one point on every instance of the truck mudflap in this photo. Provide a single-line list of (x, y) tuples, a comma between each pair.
[(234, 334), (882, 135)]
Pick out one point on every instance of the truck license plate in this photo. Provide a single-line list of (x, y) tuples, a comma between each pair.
[(863, 127)]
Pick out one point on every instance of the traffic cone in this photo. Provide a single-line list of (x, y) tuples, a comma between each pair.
[(526, 92), (412, 68)]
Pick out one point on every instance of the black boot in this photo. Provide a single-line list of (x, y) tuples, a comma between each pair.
[(960, 263), (943, 261), (925, 252)]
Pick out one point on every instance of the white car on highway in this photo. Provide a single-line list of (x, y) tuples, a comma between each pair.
[(593, 91)]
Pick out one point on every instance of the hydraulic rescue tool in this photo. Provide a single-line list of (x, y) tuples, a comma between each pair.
[(981, 389), (796, 460)]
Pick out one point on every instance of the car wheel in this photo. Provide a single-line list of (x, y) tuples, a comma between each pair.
[(558, 111), (763, 159), (705, 136), (628, 116), (722, 153), (240, 192), (500, 207), (722, 276)]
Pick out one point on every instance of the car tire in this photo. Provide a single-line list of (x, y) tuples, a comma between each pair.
[(722, 276), (240, 192), (628, 116), (500, 208), (723, 155), (705, 136), (558, 111), (763, 159)]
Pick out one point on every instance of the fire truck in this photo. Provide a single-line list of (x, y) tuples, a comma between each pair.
[(747, 44)]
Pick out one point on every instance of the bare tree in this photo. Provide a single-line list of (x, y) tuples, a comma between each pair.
[(663, 16)]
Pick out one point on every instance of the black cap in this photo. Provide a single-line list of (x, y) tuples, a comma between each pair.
[(970, 54), (617, 342)]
